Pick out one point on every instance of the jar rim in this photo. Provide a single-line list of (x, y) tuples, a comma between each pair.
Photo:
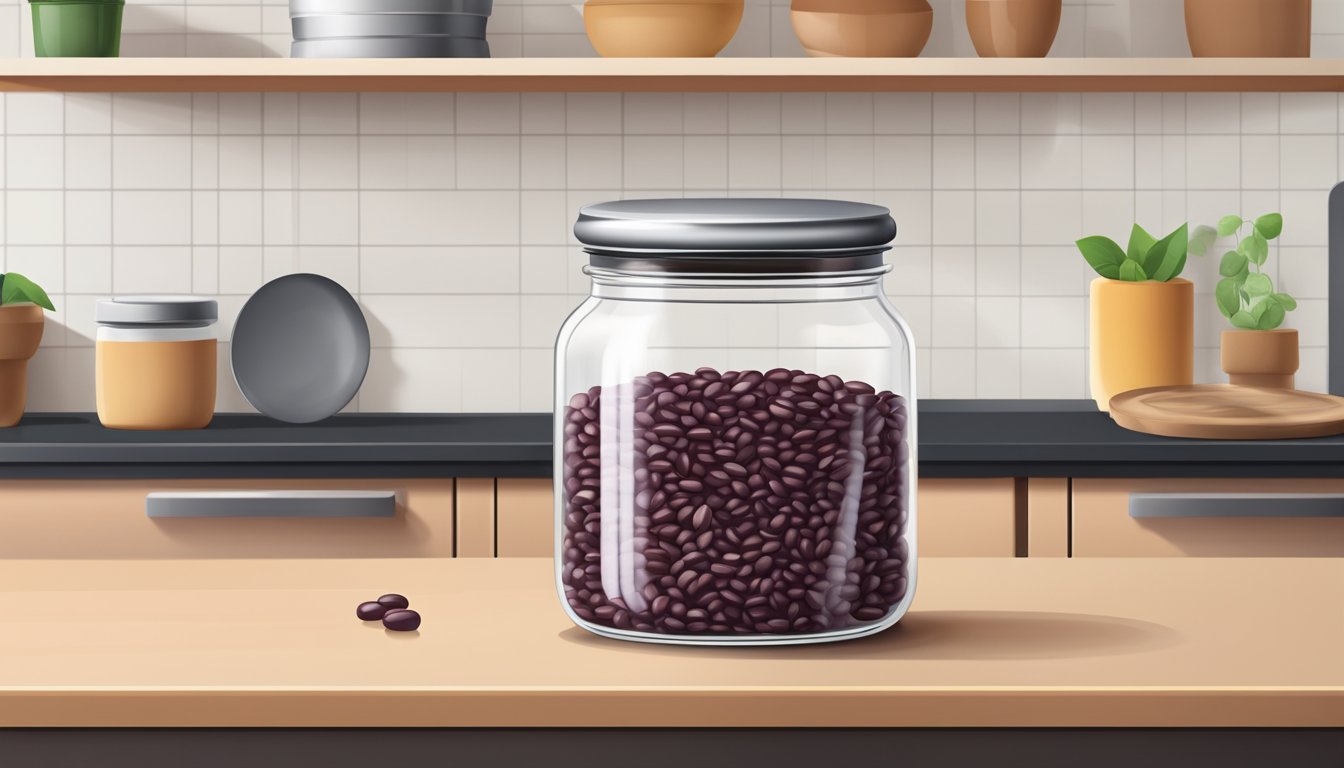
[(621, 277), (737, 264)]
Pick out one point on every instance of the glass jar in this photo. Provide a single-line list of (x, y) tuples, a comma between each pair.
[(155, 362), (735, 425)]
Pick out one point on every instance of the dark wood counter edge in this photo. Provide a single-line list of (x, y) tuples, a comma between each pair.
[(976, 438), (592, 748)]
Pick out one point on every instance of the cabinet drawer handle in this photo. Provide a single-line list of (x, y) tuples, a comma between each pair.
[(1264, 505), (271, 504)]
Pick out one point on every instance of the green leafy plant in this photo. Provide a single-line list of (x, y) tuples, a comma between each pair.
[(17, 289), (1146, 258), (1245, 294)]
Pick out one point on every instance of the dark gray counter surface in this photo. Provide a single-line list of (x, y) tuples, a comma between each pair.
[(957, 438)]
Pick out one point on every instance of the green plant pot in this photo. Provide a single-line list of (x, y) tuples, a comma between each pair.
[(77, 27)]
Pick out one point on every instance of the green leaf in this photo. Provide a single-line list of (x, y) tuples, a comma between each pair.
[(1258, 285), (1288, 302), (1258, 308), (17, 289), (1254, 247), (1132, 271), (1244, 320), (1271, 316), (1103, 254), (1233, 264), (1228, 297), (1228, 225), (1203, 237), (1140, 243), (1270, 225), (1173, 248), (1152, 260)]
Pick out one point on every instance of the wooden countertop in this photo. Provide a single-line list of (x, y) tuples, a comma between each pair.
[(1008, 642)]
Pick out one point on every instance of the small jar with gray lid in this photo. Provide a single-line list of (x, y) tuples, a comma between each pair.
[(735, 425), (156, 362)]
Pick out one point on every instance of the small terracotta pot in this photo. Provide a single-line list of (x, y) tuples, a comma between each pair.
[(1142, 335), (888, 28), (684, 28), (1261, 358), (1256, 28), (20, 334), (1013, 28)]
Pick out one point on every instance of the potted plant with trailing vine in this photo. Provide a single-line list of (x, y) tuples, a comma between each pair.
[(21, 323), (1143, 313), (1257, 353)]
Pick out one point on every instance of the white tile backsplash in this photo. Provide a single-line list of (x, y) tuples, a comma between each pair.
[(449, 215)]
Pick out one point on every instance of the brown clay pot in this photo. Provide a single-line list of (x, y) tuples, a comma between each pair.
[(862, 27), (1261, 358), (1013, 28), (680, 28), (1256, 28), (20, 333)]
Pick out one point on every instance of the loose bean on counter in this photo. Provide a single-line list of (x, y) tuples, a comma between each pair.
[(394, 600), (371, 611), (746, 503), (402, 620)]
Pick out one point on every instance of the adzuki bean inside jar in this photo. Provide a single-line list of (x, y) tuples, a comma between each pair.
[(735, 503)]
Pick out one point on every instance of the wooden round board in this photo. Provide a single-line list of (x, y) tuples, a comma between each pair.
[(1225, 412)]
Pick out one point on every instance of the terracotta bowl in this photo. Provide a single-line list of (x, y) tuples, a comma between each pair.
[(651, 28), (862, 27), (1013, 28), (1256, 28), (21, 328)]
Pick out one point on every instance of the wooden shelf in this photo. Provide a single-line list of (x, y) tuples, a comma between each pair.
[(705, 75)]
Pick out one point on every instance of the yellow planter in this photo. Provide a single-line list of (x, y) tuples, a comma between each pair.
[(1143, 335)]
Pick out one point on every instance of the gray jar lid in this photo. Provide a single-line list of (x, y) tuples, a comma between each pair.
[(735, 235), (157, 310)]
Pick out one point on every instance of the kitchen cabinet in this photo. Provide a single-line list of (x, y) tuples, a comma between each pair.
[(526, 517), (971, 517), (1047, 517), (475, 514), (1189, 518), (101, 519), (514, 517)]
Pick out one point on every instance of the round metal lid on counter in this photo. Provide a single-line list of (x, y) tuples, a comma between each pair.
[(735, 234), (156, 310)]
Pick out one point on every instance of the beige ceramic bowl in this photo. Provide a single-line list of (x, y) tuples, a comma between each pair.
[(862, 27), (653, 28), (1013, 28)]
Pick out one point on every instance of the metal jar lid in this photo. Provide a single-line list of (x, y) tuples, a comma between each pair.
[(331, 7), (735, 235), (157, 310)]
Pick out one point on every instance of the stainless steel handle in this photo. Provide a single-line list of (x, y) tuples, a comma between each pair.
[(1266, 505), (271, 504)]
